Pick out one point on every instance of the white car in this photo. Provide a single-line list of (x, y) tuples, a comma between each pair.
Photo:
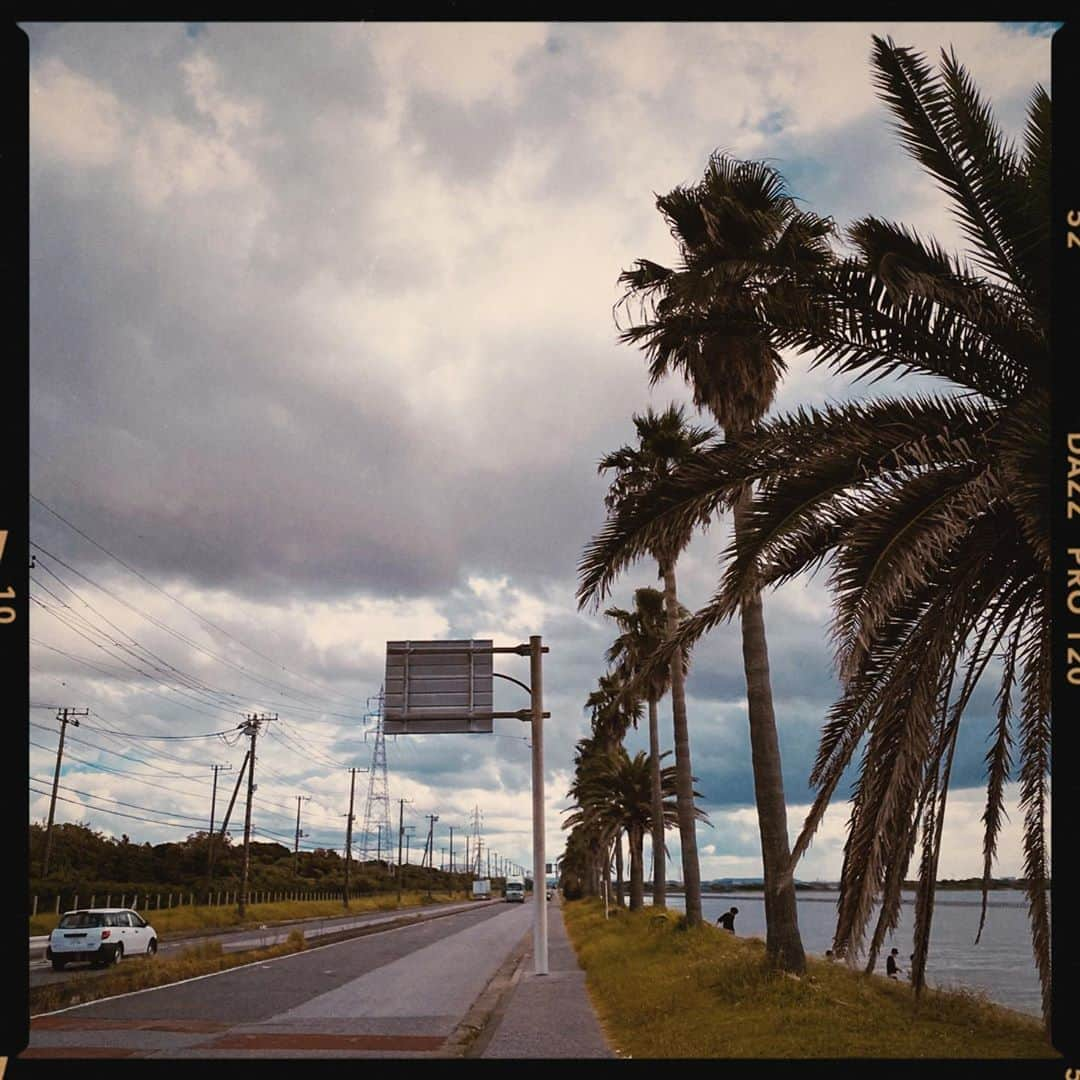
[(100, 936)]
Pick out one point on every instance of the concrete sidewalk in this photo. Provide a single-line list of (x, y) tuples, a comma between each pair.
[(546, 1016)]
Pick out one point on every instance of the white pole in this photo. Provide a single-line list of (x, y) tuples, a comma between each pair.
[(540, 949)]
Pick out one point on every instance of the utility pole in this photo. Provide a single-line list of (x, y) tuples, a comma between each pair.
[(296, 849), (468, 866), (451, 849), (348, 834), (228, 814), (536, 685), (429, 847), (409, 830), (65, 716), (429, 852), (213, 807), (250, 727), (400, 838)]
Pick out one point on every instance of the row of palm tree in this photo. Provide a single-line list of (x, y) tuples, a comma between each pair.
[(931, 509)]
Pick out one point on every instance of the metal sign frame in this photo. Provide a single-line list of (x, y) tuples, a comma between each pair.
[(438, 686)]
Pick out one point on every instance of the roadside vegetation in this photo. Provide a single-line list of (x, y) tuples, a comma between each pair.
[(662, 991), (182, 920), (141, 974)]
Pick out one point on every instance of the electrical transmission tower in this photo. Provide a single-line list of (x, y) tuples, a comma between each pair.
[(477, 844), (377, 810)]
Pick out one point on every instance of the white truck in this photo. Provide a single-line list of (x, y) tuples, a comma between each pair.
[(481, 890), (515, 890)]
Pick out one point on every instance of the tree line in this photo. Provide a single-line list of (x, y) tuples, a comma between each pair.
[(86, 862), (929, 508)]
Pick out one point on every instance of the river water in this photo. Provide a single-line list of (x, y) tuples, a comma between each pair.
[(1001, 965)]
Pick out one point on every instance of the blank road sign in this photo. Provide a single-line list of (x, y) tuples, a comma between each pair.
[(438, 686)]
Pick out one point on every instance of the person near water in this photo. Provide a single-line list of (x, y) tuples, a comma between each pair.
[(891, 968), (727, 920)]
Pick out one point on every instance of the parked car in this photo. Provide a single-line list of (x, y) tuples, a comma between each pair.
[(100, 936)]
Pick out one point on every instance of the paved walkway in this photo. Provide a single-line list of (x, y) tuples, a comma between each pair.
[(547, 1016)]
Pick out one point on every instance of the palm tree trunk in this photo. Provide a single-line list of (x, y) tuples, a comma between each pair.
[(684, 777), (637, 868), (619, 887), (783, 944), (659, 867), (592, 877)]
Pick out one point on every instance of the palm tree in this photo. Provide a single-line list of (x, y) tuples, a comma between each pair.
[(742, 241), (932, 509), (591, 816), (613, 793), (643, 632), (614, 709), (576, 876), (664, 440)]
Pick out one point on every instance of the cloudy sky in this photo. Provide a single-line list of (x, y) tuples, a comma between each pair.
[(322, 354)]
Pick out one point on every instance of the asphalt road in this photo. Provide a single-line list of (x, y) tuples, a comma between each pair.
[(400, 993), (41, 973)]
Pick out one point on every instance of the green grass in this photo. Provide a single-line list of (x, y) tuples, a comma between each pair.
[(139, 973), (662, 992), (180, 920)]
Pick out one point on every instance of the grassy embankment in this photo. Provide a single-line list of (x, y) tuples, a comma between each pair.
[(182, 920), (662, 992), (140, 974)]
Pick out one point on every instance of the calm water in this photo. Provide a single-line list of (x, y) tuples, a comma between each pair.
[(1001, 965)]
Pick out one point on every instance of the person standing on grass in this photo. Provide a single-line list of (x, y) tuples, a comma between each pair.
[(727, 920), (891, 968)]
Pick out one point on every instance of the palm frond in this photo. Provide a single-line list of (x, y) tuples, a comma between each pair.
[(934, 114)]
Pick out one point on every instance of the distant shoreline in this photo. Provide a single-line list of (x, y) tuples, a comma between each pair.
[(832, 887)]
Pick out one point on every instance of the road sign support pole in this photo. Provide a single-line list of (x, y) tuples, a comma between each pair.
[(540, 938)]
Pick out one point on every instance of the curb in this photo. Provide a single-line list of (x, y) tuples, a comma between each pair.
[(473, 1034)]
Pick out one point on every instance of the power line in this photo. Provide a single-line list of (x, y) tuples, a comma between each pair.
[(108, 735), (143, 735), (139, 574), (114, 675), (306, 751), (116, 802), (97, 766), (218, 699), (152, 658), (115, 753), (114, 813), (280, 688), (109, 750), (156, 782), (97, 644)]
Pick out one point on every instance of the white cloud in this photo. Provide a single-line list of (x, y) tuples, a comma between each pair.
[(73, 121), (466, 62)]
